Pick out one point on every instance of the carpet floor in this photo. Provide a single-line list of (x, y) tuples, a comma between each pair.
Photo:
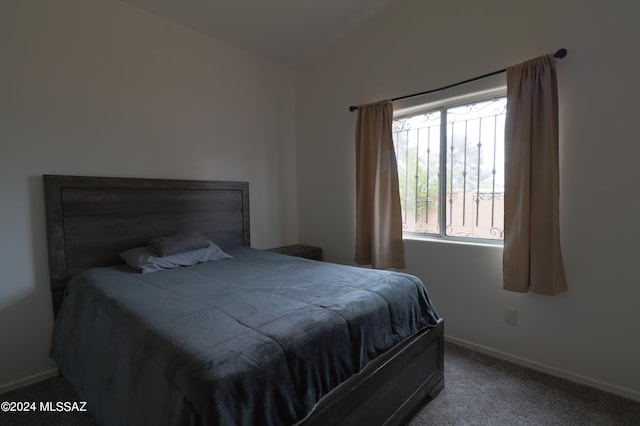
[(479, 390), (483, 390)]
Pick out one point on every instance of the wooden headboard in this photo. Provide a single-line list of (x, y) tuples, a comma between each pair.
[(92, 219)]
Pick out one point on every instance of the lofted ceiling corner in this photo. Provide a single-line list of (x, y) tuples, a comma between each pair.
[(289, 32)]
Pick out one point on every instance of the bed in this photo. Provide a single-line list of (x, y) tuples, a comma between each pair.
[(258, 338)]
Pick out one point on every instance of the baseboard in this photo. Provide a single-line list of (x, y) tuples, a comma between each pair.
[(29, 380), (607, 387)]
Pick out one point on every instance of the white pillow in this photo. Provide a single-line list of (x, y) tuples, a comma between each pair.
[(142, 259)]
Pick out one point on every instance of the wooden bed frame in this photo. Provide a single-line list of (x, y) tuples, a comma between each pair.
[(91, 219)]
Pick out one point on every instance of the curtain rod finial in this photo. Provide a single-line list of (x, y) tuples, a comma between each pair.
[(560, 53), (353, 108)]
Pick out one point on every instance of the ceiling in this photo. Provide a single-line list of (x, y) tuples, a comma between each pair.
[(286, 31)]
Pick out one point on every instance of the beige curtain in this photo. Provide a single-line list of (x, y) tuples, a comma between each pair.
[(532, 258), (378, 213)]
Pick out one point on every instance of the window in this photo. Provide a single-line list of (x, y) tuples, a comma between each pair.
[(451, 169)]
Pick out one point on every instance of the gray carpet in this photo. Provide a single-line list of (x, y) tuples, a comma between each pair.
[(479, 390), (482, 390)]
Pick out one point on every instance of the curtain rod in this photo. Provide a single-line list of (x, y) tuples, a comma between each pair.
[(560, 53)]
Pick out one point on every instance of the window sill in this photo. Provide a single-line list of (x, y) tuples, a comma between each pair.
[(452, 240)]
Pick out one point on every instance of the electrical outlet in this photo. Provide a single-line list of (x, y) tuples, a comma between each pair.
[(510, 316)]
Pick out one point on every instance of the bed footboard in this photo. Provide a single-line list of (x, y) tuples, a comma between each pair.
[(388, 390)]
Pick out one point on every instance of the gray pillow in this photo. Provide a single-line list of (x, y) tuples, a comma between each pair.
[(143, 259), (179, 243)]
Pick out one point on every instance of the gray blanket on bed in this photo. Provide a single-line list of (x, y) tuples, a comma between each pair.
[(257, 339)]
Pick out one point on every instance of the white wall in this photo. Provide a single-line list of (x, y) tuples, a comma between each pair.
[(97, 87), (590, 334)]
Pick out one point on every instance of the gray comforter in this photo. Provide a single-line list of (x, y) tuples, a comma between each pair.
[(257, 339)]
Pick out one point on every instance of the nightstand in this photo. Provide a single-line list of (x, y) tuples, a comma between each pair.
[(300, 250)]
